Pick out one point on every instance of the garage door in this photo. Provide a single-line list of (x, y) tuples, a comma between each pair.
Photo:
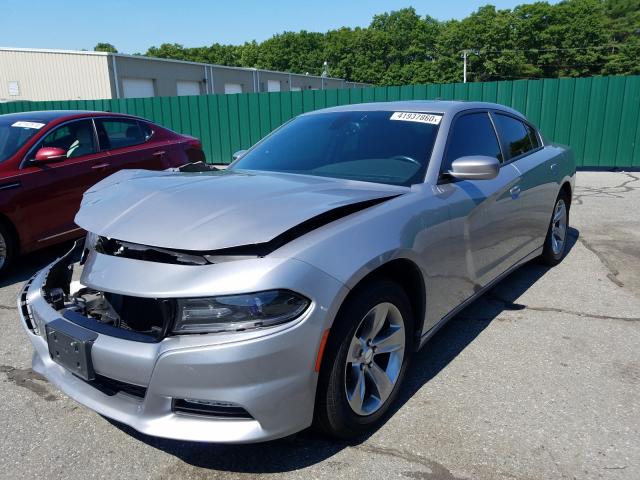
[(186, 87), (273, 85), (138, 87), (232, 88)]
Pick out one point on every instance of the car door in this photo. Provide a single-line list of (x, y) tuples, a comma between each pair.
[(483, 213), (539, 172), (130, 144), (50, 193)]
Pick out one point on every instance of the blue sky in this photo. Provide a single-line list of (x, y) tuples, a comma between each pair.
[(134, 25)]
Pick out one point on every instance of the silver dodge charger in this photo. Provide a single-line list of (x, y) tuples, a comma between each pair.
[(293, 288)]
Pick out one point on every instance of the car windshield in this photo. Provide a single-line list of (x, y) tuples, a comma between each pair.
[(14, 134), (379, 146)]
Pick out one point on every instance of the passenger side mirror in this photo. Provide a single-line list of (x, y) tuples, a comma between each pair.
[(50, 154), (475, 167), (238, 154)]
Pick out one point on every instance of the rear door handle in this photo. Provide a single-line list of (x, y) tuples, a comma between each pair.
[(515, 191), (100, 166), (159, 153)]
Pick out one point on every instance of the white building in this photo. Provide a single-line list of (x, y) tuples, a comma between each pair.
[(35, 74)]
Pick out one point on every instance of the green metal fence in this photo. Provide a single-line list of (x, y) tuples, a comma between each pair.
[(599, 116)]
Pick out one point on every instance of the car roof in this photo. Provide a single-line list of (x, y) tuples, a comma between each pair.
[(47, 116), (422, 106)]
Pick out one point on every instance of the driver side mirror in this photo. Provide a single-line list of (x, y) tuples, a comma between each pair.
[(238, 154), (475, 167), (50, 154)]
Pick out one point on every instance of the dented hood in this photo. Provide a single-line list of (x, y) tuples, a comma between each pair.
[(213, 210)]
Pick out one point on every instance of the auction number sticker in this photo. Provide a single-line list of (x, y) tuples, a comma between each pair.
[(34, 125), (417, 117)]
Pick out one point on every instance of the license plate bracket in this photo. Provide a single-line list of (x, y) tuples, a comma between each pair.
[(70, 347)]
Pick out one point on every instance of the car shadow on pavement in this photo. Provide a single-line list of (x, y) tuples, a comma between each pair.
[(308, 447), (27, 266)]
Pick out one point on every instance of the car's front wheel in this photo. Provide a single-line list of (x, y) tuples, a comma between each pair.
[(7, 248), (365, 360)]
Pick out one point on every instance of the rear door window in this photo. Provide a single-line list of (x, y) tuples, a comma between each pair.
[(471, 134), (533, 135), (75, 138), (514, 135), (119, 133)]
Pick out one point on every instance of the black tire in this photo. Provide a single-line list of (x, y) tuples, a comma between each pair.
[(551, 256), (7, 257), (333, 413)]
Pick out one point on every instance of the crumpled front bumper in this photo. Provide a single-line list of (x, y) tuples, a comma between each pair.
[(269, 373)]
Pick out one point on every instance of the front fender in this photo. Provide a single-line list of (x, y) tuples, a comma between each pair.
[(413, 226)]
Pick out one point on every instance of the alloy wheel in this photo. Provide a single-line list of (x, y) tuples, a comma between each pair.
[(374, 359), (3, 250), (559, 227)]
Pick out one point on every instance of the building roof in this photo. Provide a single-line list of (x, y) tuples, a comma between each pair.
[(156, 59)]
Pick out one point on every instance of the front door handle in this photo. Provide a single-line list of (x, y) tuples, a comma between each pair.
[(515, 192), (100, 166), (159, 153)]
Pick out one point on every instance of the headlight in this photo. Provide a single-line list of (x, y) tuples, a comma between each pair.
[(238, 312)]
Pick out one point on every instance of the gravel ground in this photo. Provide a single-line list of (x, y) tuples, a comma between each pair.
[(539, 379)]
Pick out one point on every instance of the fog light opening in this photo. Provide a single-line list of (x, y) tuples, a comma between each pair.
[(211, 408)]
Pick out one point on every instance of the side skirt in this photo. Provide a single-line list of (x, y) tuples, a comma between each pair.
[(433, 330)]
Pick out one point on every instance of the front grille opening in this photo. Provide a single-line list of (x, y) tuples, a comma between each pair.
[(24, 309), (209, 408), (112, 387), (147, 316)]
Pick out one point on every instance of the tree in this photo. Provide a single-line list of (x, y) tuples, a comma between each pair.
[(105, 47), (569, 38), (623, 23)]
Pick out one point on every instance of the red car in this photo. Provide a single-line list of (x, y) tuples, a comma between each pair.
[(48, 159)]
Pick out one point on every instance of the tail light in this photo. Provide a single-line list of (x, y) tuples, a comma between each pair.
[(194, 150), (195, 143)]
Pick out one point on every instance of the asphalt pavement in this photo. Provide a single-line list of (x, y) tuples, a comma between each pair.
[(539, 379)]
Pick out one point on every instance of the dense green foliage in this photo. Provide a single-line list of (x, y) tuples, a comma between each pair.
[(105, 47), (571, 38)]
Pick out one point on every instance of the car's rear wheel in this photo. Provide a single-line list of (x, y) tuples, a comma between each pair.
[(365, 359), (555, 244)]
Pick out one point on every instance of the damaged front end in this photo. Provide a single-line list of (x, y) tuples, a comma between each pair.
[(122, 316)]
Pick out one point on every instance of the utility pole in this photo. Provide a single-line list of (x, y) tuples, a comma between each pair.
[(465, 57), (465, 54), (325, 72)]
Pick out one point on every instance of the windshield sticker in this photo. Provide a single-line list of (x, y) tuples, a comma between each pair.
[(34, 125), (417, 117)]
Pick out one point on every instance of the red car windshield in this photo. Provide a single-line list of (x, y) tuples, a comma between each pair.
[(14, 134)]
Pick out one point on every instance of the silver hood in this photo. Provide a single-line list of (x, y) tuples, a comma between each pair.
[(211, 211)]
